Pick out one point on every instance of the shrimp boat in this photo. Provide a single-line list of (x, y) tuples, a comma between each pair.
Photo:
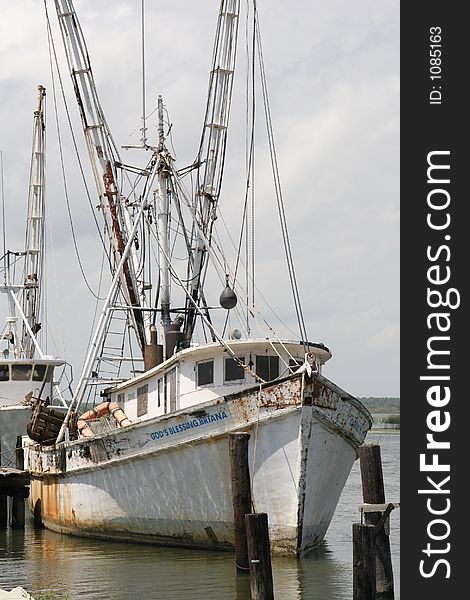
[(26, 372), (142, 454)]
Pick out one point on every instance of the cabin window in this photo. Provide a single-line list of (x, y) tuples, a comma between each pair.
[(205, 373), (21, 372), (142, 400), (233, 370), (4, 372), (120, 399), (267, 367), (295, 363), (39, 372), (159, 391)]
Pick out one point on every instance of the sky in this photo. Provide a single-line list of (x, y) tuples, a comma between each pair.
[(333, 75)]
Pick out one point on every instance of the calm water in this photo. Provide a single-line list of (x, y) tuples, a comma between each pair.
[(73, 568)]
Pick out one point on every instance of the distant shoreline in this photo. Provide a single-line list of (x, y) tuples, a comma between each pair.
[(385, 413), (382, 405)]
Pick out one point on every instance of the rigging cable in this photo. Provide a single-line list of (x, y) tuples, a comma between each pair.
[(278, 189), (249, 161), (260, 294), (213, 165), (52, 54), (205, 320), (253, 116)]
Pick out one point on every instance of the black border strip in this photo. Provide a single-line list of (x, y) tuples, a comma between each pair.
[(434, 251)]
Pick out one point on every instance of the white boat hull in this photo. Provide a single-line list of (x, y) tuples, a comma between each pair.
[(167, 480)]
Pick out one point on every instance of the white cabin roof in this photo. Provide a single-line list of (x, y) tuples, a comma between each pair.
[(200, 352)]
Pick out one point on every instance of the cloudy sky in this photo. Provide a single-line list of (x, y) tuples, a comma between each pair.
[(333, 76)]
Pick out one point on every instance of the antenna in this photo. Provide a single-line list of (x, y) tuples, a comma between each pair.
[(3, 217), (143, 129)]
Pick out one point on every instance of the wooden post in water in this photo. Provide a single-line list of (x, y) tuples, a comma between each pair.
[(3, 511), (19, 455), (259, 555), (3, 498), (241, 495), (17, 508), (364, 568), (373, 493)]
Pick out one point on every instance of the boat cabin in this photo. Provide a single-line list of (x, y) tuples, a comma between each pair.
[(202, 373), (26, 378)]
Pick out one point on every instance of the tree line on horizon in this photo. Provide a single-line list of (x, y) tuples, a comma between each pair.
[(382, 403)]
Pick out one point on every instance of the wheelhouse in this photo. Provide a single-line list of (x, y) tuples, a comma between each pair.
[(25, 378), (202, 373)]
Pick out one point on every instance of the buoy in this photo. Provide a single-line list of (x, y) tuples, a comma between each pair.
[(228, 299)]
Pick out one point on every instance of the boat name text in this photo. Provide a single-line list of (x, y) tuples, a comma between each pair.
[(190, 424)]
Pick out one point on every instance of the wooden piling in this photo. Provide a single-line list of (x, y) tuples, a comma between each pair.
[(373, 493), (3, 510), (17, 511), (241, 495), (3, 498), (19, 455), (17, 507), (259, 555), (364, 563)]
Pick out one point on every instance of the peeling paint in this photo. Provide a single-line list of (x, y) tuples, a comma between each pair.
[(167, 480)]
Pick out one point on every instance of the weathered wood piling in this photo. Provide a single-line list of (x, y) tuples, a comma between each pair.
[(252, 549), (17, 508), (3, 509), (364, 572), (3, 498), (259, 555), (14, 482), (241, 495), (373, 493)]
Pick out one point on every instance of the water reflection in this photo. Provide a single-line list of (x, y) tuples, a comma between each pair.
[(40, 560), (78, 568)]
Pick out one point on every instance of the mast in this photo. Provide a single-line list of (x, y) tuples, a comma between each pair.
[(163, 209), (212, 147), (115, 208), (34, 255), (22, 335)]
